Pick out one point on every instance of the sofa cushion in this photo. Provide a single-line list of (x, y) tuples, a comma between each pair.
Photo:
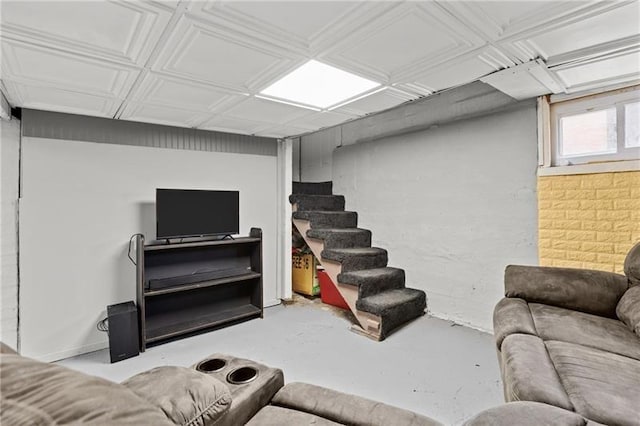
[(602, 386), (632, 265), (628, 309), (68, 396), (526, 413), (529, 374), (186, 396), (512, 315), (279, 416), (585, 329), (593, 292), (344, 408), (15, 413)]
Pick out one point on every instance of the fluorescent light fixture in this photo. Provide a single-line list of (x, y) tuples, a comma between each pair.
[(319, 85)]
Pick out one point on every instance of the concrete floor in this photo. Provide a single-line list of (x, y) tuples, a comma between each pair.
[(431, 366)]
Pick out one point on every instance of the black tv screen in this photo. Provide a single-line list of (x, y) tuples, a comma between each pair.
[(184, 213)]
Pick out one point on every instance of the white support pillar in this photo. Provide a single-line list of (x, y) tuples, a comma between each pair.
[(285, 178), (5, 108)]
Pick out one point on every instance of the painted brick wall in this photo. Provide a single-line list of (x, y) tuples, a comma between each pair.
[(588, 221)]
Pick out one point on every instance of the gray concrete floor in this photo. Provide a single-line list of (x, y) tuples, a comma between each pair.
[(431, 366)]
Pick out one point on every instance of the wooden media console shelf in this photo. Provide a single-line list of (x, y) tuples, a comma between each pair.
[(187, 287)]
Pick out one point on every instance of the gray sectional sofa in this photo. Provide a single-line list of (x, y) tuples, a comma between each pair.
[(220, 390), (37, 393), (571, 338), (568, 343)]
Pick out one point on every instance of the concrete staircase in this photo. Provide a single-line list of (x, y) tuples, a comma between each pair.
[(375, 293)]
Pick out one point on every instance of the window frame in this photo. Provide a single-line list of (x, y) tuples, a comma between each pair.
[(593, 104)]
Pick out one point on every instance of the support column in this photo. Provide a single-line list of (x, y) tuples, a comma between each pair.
[(285, 177)]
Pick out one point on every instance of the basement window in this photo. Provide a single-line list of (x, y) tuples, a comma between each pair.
[(595, 129)]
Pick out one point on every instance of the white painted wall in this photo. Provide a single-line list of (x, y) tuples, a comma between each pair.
[(80, 204), (316, 150), (9, 178), (453, 205)]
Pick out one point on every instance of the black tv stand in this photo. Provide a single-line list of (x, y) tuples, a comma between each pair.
[(188, 287), (227, 236)]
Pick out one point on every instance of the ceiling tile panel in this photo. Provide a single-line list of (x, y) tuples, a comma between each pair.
[(282, 131), (399, 44), (409, 38), (498, 18), (506, 14), (234, 125), (201, 53), (125, 31), (200, 63), (379, 101), (265, 111), (318, 120), (30, 64), (303, 20), (162, 115), (453, 74), (163, 90), (502, 19), (612, 25), (627, 67), (52, 99)]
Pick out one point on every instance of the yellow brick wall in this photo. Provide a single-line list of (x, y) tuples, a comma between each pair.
[(588, 221)]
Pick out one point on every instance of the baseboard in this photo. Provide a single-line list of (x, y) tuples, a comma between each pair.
[(460, 322), (57, 356), (273, 302)]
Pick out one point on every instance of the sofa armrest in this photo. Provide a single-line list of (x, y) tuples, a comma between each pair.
[(512, 316), (526, 413), (593, 292), (6, 349), (186, 396), (344, 408)]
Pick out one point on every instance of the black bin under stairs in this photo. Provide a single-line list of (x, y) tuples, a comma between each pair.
[(375, 292)]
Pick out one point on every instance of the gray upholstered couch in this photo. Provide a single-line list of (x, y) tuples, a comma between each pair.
[(36, 393), (568, 344), (571, 338)]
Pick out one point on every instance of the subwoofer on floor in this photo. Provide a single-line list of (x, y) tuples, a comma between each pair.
[(123, 331)]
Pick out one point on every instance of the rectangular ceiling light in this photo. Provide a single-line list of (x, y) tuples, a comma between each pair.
[(319, 85)]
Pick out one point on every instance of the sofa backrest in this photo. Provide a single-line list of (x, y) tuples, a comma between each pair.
[(632, 265), (57, 395)]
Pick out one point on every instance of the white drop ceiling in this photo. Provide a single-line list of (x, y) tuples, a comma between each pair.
[(201, 64)]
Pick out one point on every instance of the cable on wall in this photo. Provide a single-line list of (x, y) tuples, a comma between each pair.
[(129, 250)]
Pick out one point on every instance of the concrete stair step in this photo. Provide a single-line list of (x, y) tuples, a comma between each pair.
[(317, 202), (395, 307), (342, 237), (313, 188), (354, 259), (374, 281), (328, 219)]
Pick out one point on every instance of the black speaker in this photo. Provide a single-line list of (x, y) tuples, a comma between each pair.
[(123, 331)]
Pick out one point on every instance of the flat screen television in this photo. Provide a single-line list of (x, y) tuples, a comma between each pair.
[(182, 213)]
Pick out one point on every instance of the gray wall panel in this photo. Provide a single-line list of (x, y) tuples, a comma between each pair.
[(55, 125)]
